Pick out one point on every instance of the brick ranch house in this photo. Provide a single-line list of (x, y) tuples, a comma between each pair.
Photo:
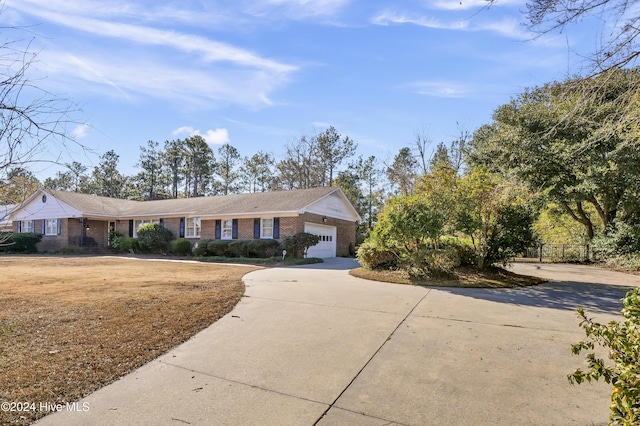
[(71, 219)]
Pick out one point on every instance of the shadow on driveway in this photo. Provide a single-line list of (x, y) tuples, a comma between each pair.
[(562, 295)]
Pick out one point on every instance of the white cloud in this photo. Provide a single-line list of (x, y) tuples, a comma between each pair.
[(212, 137), (508, 27), (387, 18), (439, 89), (80, 131)]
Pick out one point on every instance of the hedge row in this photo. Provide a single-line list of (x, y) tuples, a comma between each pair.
[(12, 242)]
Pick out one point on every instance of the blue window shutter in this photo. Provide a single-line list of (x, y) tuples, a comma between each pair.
[(182, 227), (276, 228), (218, 229), (131, 228), (19, 226), (256, 227), (162, 222), (234, 229), (58, 227), (44, 226), (33, 226)]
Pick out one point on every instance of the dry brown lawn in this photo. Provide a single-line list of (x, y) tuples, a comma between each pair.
[(70, 325), (463, 277)]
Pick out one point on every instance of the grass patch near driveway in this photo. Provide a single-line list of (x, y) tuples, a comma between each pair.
[(463, 277), (70, 325)]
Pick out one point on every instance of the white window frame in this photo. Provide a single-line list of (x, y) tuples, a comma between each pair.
[(26, 226), (226, 229), (266, 228), (51, 227), (192, 227), (137, 223)]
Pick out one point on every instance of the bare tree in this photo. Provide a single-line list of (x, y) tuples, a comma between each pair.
[(35, 125), (618, 41)]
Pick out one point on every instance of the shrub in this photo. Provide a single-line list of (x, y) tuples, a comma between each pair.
[(181, 247), (372, 257), (264, 248), (297, 245), (15, 242), (200, 248), (154, 238), (622, 239), (238, 248), (125, 245), (630, 262), (431, 263), (218, 247), (623, 341)]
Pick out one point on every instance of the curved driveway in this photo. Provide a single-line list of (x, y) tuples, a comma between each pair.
[(313, 345)]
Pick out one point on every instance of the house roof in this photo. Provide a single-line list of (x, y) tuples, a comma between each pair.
[(294, 201)]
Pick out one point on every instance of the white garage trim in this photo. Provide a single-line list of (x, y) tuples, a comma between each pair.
[(327, 245)]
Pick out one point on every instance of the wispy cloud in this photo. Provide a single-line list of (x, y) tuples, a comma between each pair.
[(508, 27), (388, 18), (297, 9), (212, 137), (439, 89), (207, 71), (473, 4)]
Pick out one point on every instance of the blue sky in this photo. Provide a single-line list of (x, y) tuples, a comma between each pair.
[(259, 74)]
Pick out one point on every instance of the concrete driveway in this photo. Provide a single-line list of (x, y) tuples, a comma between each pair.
[(313, 345)]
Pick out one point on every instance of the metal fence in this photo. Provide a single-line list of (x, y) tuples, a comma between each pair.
[(559, 253)]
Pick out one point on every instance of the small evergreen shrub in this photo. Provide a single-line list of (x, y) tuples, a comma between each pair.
[(218, 247), (264, 248), (181, 247), (18, 242), (200, 248), (623, 342)]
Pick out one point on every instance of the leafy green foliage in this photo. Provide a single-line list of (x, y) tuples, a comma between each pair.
[(297, 245), (370, 256), (200, 248), (125, 244), (623, 341), (154, 238), (622, 239), (18, 242), (181, 247), (568, 141)]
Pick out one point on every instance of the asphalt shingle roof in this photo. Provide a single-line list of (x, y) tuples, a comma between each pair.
[(261, 202)]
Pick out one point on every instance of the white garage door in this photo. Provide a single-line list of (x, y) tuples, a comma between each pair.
[(327, 245)]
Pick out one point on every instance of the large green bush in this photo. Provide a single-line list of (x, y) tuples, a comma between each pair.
[(14, 242), (622, 339), (154, 238), (374, 258), (297, 245), (181, 247)]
